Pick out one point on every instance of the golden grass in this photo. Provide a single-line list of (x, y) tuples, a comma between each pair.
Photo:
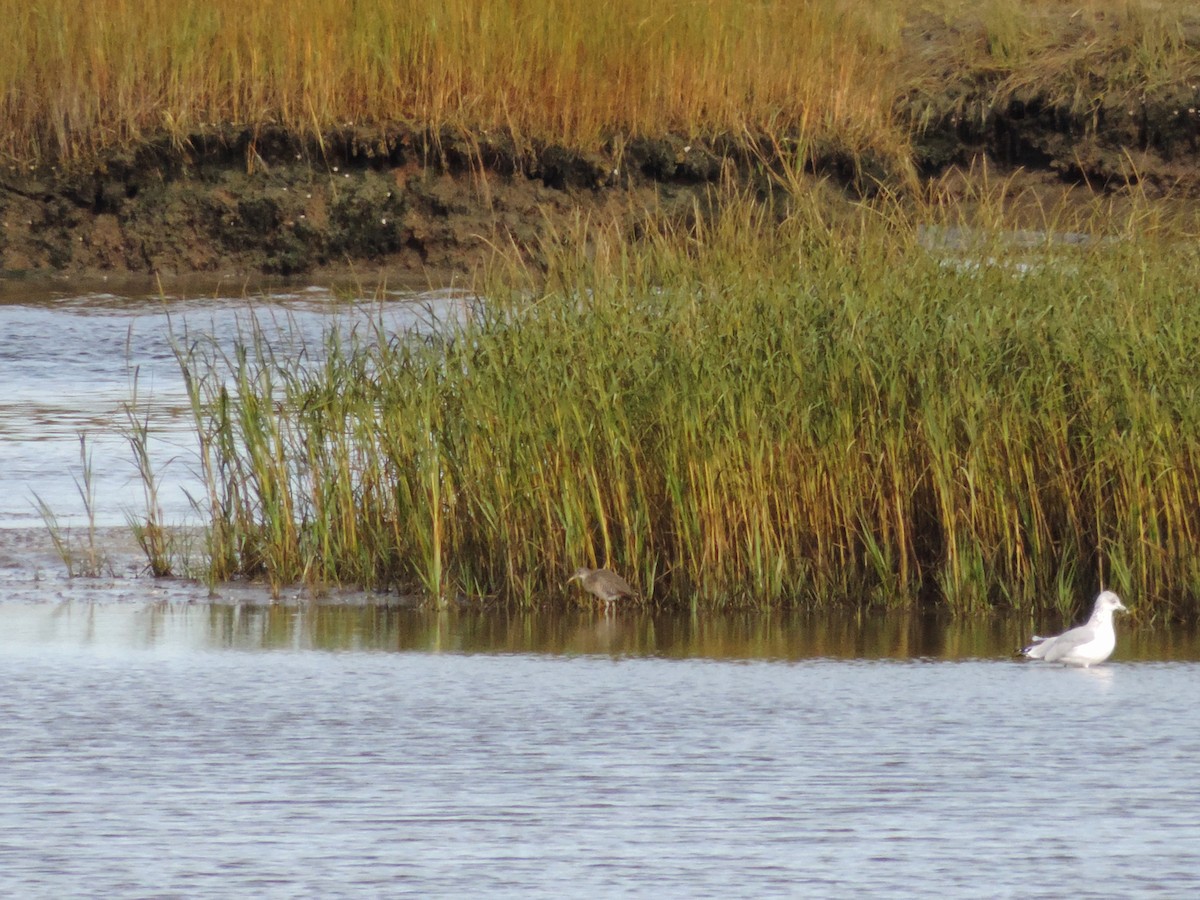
[(74, 79), (573, 71)]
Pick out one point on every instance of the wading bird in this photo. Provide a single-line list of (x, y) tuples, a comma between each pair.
[(603, 584), (1085, 645)]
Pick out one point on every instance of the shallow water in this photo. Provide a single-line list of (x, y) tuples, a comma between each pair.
[(159, 740), (72, 364), (205, 750)]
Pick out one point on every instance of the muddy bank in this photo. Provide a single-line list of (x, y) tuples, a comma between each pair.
[(269, 202), (408, 204)]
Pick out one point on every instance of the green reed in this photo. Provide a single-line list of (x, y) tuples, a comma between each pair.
[(157, 542), (82, 559), (748, 411)]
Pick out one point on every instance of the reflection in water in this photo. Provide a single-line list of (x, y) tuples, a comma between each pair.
[(375, 626), (142, 758), (1100, 675)]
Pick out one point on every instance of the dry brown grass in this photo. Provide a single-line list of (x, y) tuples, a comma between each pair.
[(540, 68), (828, 72), (1073, 55)]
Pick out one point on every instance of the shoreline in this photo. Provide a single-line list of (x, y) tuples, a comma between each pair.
[(373, 205)]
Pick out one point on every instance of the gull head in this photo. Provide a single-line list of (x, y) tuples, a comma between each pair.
[(1110, 602)]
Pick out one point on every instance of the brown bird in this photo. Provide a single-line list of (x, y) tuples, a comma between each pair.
[(602, 584)]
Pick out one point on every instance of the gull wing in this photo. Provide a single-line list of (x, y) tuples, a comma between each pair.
[(1058, 647)]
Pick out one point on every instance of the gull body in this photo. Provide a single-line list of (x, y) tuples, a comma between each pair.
[(603, 584), (1088, 644)]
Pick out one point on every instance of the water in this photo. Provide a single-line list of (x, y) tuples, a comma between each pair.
[(186, 758), (156, 740), (71, 365)]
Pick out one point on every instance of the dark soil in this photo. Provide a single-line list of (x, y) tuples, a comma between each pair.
[(407, 204), (272, 203)]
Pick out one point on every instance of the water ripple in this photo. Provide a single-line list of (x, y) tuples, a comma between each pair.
[(222, 773)]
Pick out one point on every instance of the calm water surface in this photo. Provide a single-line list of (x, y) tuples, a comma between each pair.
[(218, 750), (159, 741)]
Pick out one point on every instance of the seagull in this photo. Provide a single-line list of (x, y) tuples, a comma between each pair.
[(1086, 644), (602, 584)]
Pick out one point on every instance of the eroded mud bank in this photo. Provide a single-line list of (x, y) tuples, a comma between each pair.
[(242, 201)]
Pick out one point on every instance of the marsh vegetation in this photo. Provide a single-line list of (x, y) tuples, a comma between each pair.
[(745, 412), (768, 399), (825, 77)]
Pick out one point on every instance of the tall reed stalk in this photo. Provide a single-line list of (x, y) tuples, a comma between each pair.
[(87, 560), (745, 412), (149, 529)]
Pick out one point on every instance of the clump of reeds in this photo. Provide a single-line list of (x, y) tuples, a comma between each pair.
[(745, 411), (82, 559), (155, 539)]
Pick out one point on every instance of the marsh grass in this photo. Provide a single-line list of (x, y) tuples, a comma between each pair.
[(82, 559), (827, 74), (1075, 56), (743, 412), (548, 69), (155, 539)]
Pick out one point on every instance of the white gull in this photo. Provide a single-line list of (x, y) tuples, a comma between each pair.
[(1085, 645)]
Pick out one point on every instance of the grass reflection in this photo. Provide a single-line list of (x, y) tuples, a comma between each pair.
[(743, 635)]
